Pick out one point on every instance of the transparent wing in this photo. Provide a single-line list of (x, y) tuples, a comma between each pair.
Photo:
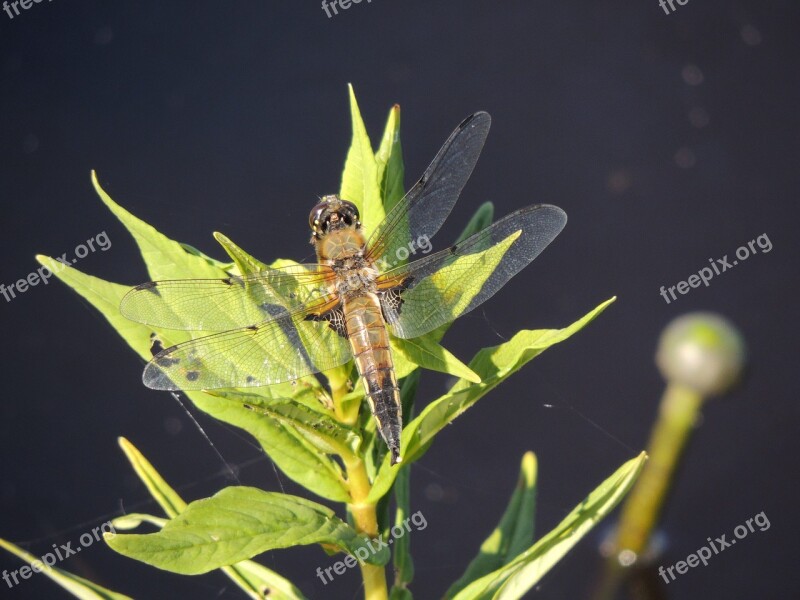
[(283, 348), (264, 336), (229, 303), (420, 214), (443, 286)]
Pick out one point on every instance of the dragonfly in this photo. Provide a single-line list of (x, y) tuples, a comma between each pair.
[(280, 324)]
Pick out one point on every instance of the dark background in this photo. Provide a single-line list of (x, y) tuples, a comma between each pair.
[(668, 139)]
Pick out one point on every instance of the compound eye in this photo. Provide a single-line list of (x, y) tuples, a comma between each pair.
[(315, 218), (350, 210)]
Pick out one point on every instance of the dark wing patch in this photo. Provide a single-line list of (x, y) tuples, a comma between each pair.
[(335, 319), (392, 301)]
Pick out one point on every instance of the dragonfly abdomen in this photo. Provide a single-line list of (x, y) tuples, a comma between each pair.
[(369, 339)]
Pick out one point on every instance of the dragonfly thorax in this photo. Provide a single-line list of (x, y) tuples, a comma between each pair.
[(350, 282)]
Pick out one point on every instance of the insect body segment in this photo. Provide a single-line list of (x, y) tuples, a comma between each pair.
[(370, 342)]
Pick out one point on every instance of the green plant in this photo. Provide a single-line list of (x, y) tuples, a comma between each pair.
[(321, 438)]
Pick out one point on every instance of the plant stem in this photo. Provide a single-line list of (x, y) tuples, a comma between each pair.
[(679, 409), (366, 522), (363, 513), (678, 412)]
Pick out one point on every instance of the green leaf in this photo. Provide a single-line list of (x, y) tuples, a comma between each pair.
[(236, 524), (134, 520), (400, 594), (245, 263), (77, 586), (360, 177), (520, 575), (426, 352), (250, 576), (403, 563), (493, 365), (389, 161), (512, 535), (321, 430), (260, 582), (167, 498)]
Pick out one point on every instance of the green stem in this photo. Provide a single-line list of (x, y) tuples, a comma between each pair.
[(679, 409), (678, 412), (365, 520), (364, 515)]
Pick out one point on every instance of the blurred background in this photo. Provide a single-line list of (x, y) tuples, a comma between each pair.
[(669, 139)]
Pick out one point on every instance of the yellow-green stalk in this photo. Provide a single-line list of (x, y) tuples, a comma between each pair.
[(700, 355)]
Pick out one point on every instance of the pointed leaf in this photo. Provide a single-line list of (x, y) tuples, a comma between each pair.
[(245, 263), (134, 520), (167, 498), (360, 176), (165, 258), (105, 297), (321, 430), (426, 352), (513, 534), (389, 159), (236, 524), (493, 365), (403, 563), (513, 580), (260, 582)]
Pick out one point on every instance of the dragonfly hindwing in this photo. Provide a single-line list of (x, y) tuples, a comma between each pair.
[(391, 301), (334, 317)]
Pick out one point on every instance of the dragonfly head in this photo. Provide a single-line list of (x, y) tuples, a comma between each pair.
[(332, 213)]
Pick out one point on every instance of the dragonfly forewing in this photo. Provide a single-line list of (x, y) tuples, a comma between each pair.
[(226, 303), (423, 210)]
